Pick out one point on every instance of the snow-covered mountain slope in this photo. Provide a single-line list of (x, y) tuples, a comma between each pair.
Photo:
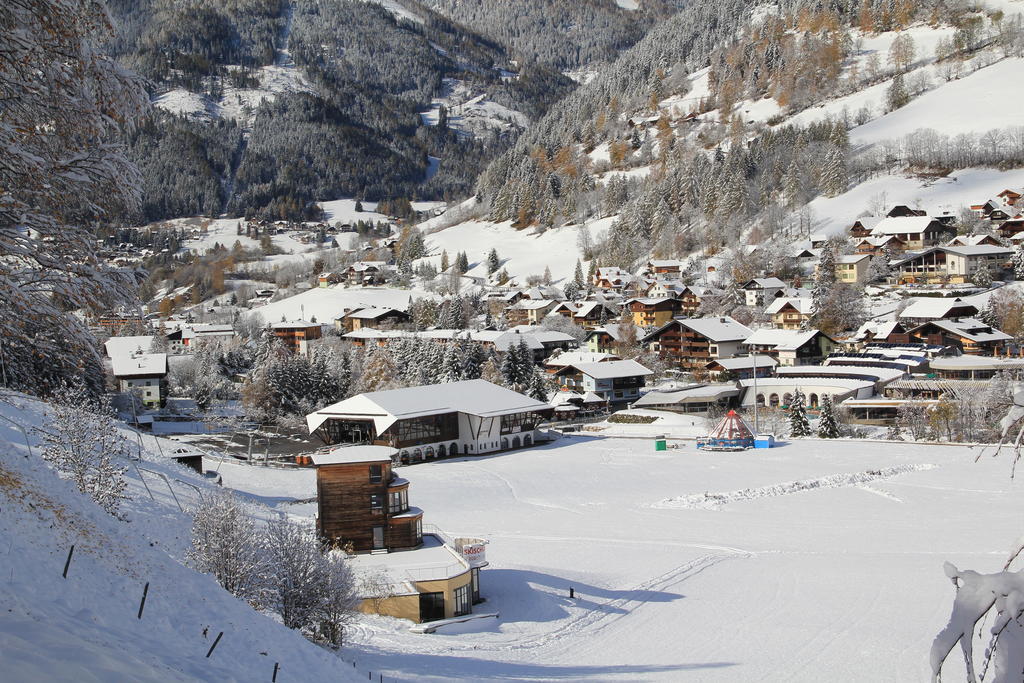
[(85, 627)]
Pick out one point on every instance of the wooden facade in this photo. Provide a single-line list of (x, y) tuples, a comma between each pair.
[(364, 504)]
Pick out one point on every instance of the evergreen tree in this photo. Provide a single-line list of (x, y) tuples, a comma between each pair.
[(1018, 262), (798, 424), (896, 95), (451, 366), (462, 263), (825, 278), (538, 386), (473, 359), (577, 277), (833, 173), (445, 264), (828, 424), (982, 277), (493, 262)]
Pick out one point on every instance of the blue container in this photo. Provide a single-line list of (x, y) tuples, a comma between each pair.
[(764, 441)]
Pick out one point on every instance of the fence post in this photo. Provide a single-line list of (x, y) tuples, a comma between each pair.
[(273, 679), (68, 562), (142, 605), (143, 480), (215, 641)]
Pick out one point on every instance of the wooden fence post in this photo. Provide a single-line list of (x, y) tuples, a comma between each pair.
[(68, 562), (142, 605), (215, 641)]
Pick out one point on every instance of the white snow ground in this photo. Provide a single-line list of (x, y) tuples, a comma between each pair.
[(85, 628), (841, 582)]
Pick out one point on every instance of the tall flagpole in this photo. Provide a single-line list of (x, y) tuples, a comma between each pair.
[(753, 355)]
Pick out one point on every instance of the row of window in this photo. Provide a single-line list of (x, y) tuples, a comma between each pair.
[(397, 501)]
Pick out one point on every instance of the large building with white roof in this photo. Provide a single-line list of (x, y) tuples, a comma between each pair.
[(143, 373), (472, 417)]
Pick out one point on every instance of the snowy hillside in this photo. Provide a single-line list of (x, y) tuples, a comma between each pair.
[(85, 627)]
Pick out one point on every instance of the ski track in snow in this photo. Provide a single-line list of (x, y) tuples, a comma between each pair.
[(715, 501)]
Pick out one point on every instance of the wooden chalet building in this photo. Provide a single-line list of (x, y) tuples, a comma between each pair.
[(586, 314), (873, 246), (953, 264), (741, 367), (761, 291), (603, 339), (917, 232), (297, 334), (969, 336), (1009, 228), (974, 241), (924, 309), (363, 506), (144, 374), (665, 269), (892, 332), (648, 312), (371, 316), (790, 313), (471, 417), (863, 227), (529, 311), (1011, 197), (365, 273), (791, 347), (361, 501), (615, 381), (904, 211), (694, 342)]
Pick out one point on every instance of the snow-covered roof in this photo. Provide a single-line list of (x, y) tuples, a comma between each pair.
[(851, 258), (718, 329), (901, 225), (612, 369), (878, 330), (144, 364), (976, 363), (801, 304), (839, 371), (294, 325), (126, 346), (979, 250), (971, 329), (701, 393), (935, 307), (372, 313), (968, 240), (781, 340), (764, 283), (573, 357), (533, 304), (746, 362), (473, 397), (353, 454)]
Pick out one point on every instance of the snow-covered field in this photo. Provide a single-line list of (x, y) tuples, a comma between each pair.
[(522, 252), (329, 303), (817, 561)]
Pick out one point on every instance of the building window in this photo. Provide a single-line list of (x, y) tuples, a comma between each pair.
[(462, 603), (398, 501), (417, 531), (376, 474), (377, 503), (475, 573)]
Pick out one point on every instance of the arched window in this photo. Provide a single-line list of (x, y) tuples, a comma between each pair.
[(773, 400), (527, 440), (760, 399), (454, 449), (504, 443), (441, 451), (404, 456), (429, 452), (813, 400), (787, 398), (417, 454), (515, 442)]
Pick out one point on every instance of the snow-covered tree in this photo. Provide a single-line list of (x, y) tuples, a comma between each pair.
[(493, 261), (451, 366), (1018, 262), (825, 276), (798, 423), (296, 574), (982, 277), (339, 599), (828, 423), (896, 94), (63, 172), (84, 444), (880, 267), (225, 543)]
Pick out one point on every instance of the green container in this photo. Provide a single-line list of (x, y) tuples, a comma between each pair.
[(660, 445)]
